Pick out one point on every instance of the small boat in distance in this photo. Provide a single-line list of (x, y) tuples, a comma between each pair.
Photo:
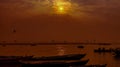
[(117, 53), (100, 50)]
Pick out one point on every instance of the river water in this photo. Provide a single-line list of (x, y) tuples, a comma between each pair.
[(50, 50)]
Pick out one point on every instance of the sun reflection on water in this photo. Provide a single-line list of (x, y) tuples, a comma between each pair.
[(61, 50)]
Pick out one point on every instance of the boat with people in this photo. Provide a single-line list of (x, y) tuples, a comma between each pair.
[(56, 63), (103, 50), (116, 53)]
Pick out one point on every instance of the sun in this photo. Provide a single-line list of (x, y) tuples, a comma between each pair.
[(61, 10), (61, 6)]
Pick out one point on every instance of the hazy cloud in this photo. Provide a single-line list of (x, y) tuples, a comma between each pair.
[(91, 19)]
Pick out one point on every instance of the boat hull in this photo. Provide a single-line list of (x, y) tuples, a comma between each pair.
[(57, 64), (63, 57)]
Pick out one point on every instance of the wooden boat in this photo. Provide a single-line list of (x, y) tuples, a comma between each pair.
[(56, 63), (31, 58), (9, 63), (15, 57), (11, 58), (63, 57)]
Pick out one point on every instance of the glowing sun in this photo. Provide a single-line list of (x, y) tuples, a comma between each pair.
[(61, 6)]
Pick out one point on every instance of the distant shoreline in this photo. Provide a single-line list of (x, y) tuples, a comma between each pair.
[(70, 43)]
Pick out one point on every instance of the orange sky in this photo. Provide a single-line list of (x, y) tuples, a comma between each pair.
[(38, 20)]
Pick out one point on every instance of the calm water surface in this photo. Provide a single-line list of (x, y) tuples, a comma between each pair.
[(49, 50)]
